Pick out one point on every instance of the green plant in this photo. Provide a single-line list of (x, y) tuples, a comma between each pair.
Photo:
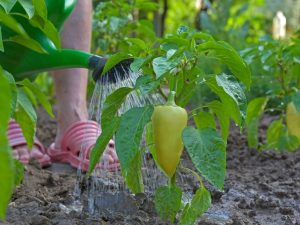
[(19, 98), (176, 63), (276, 65)]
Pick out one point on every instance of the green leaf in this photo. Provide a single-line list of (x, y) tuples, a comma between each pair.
[(254, 111), (278, 137), (28, 7), (138, 63), (150, 141), (47, 28), (224, 118), (6, 161), (26, 117), (19, 172), (204, 120), (11, 23), (296, 100), (208, 153), (227, 55), (134, 176), (231, 94), (273, 133), (145, 84), (1, 41), (112, 104), (102, 142), (27, 42), (162, 65), (13, 91), (252, 132), (39, 95), (255, 108), (128, 138), (114, 60), (201, 202), (8, 4), (168, 201)]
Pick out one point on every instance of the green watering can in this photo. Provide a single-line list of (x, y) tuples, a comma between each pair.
[(23, 62)]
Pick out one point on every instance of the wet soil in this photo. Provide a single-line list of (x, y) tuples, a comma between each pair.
[(261, 188)]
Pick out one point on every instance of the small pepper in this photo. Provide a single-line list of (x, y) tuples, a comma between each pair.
[(169, 120)]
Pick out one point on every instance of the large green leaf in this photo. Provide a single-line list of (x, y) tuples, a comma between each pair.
[(227, 55), (26, 117), (102, 142), (39, 95), (168, 201), (6, 161), (201, 202), (112, 104), (208, 153), (128, 138), (231, 94)]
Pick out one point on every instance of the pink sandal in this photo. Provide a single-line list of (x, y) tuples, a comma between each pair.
[(79, 137), (16, 139)]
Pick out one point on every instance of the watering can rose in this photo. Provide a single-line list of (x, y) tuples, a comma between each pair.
[(168, 121)]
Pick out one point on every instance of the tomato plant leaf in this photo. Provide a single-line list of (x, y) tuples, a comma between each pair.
[(6, 161), (112, 104), (227, 55), (102, 142), (231, 94), (168, 201), (26, 117), (128, 137), (201, 202), (208, 153)]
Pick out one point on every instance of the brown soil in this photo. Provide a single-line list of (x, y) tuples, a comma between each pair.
[(261, 188)]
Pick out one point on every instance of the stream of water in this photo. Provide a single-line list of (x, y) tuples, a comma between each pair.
[(106, 189)]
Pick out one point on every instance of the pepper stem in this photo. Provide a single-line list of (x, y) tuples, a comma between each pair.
[(171, 98)]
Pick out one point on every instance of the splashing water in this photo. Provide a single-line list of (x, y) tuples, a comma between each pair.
[(105, 189)]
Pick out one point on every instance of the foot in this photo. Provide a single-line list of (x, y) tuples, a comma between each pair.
[(20, 149), (76, 144)]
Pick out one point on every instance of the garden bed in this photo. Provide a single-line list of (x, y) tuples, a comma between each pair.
[(260, 188)]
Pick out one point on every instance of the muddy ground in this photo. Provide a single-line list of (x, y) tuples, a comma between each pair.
[(261, 188)]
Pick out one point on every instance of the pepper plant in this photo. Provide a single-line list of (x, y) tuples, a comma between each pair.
[(276, 69), (18, 98), (175, 63)]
